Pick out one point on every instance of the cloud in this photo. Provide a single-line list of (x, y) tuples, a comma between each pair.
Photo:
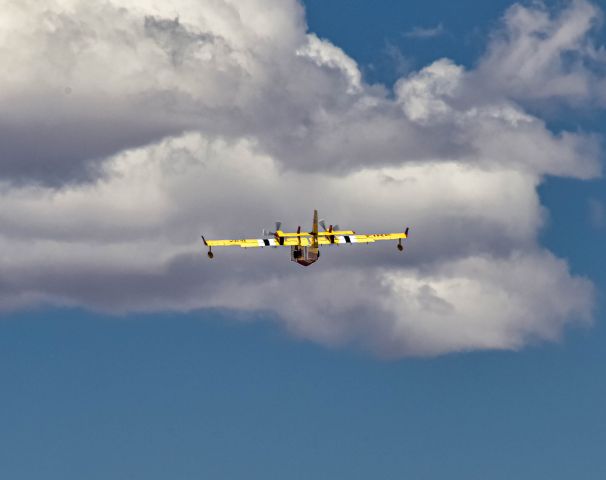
[(431, 32), (137, 73), (219, 119), (597, 213), (544, 55), (395, 61)]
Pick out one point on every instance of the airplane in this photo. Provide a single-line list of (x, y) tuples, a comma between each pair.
[(305, 246)]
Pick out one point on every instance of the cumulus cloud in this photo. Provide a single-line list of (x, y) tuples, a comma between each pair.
[(130, 127)]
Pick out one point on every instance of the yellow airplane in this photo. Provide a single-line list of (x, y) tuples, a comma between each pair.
[(305, 246)]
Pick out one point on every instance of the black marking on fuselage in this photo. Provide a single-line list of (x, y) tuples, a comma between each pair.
[(266, 242), (347, 239)]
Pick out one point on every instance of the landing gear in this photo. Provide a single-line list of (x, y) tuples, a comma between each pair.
[(210, 253), (400, 246)]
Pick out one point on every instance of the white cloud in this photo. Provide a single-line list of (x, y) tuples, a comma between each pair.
[(188, 118), (421, 32), (423, 95), (323, 53), (543, 55)]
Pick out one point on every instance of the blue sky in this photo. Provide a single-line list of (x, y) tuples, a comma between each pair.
[(203, 393), (184, 396)]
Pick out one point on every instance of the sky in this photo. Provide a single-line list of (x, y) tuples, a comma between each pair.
[(129, 127)]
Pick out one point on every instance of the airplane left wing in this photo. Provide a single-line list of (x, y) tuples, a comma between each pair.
[(344, 239), (374, 237)]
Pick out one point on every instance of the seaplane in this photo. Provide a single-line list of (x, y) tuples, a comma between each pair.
[(305, 246)]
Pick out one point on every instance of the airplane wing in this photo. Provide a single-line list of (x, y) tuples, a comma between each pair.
[(374, 237), (260, 242), (305, 241), (244, 243), (344, 239), (300, 240)]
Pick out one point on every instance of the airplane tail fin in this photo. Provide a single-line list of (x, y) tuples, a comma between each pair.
[(315, 229)]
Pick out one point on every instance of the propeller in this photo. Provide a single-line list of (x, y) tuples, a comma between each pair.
[(322, 223), (267, 233)]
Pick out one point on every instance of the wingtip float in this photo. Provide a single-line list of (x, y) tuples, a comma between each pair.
[(305, 246)]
